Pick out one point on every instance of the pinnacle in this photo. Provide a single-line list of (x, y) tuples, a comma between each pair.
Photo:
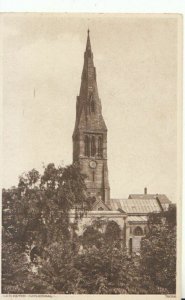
[(88, 45)]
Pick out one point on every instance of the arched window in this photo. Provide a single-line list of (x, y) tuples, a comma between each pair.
[(93, 146), (138, 231), (100, 146), (91, 104), (113, 233), (86, 146)]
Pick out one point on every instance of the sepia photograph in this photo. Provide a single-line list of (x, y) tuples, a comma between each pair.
[(91, 185)]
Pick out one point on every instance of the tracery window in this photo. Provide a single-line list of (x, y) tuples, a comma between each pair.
[(86, 146), (100, 146), (93, 146), (113, 233)]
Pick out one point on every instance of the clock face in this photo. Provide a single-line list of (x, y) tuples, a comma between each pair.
[(92, 164)]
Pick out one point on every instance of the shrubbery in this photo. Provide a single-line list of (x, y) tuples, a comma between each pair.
[(36, 214)]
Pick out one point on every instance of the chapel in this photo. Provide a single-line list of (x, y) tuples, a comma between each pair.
[(90, 151)]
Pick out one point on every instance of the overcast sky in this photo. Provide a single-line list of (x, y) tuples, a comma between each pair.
[(136, 64)]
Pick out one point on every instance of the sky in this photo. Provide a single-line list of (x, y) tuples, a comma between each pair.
[(137, 67)]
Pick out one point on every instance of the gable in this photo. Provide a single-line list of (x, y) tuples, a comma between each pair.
[(100, 205)]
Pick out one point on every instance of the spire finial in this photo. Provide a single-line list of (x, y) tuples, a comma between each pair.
[(88, 46)]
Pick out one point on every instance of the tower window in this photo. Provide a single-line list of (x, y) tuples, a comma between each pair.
[(86, 146), (93, 146), (100, 146), (93, 175)]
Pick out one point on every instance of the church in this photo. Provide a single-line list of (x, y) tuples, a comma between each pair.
[(90, 151)]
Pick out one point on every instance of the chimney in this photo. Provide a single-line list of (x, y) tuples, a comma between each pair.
[(145, 190)]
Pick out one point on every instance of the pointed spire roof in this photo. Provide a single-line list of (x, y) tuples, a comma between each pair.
[(88, 91), (88, 45)]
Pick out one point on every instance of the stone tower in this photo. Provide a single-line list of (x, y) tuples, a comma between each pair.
[(90, 132)]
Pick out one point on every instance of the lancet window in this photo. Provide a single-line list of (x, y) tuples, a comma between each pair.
[(87, 146), (91, 104), (100, 146), (93, 146)]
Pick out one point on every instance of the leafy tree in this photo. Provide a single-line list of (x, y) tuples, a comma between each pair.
[(36, 212), (158, 251), (14, 267), (36, 218), (40, 204), (108, 270), (92, 236)]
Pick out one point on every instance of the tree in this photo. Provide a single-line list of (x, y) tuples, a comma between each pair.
[(37, 213), (40, 255), (158, 251), (92, 236)]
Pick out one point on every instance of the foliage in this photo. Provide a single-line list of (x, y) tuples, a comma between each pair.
[(112, 233), (14, 267), (92, 236), (158, 251), (106, 270), (36, 212), (36, 216)]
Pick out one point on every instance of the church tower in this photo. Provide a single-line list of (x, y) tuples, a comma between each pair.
[(90, 132)]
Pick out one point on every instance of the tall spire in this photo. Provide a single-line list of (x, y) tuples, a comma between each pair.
[(90, 132), (88, 45), (88, 107)]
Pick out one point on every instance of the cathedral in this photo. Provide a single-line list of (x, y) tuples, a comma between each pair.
[(90, 151)]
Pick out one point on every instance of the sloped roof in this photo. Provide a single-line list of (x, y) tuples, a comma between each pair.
[(135, 206), (137, 219), (162, 198)]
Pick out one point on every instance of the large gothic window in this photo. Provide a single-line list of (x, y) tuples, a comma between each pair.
[(100, 146), (113, 234), (93, 146), (86, 146)]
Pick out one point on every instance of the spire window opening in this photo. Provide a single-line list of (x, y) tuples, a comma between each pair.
[(93, 146), (91, 103), (100, 146), (86, 146), (92, 106)]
